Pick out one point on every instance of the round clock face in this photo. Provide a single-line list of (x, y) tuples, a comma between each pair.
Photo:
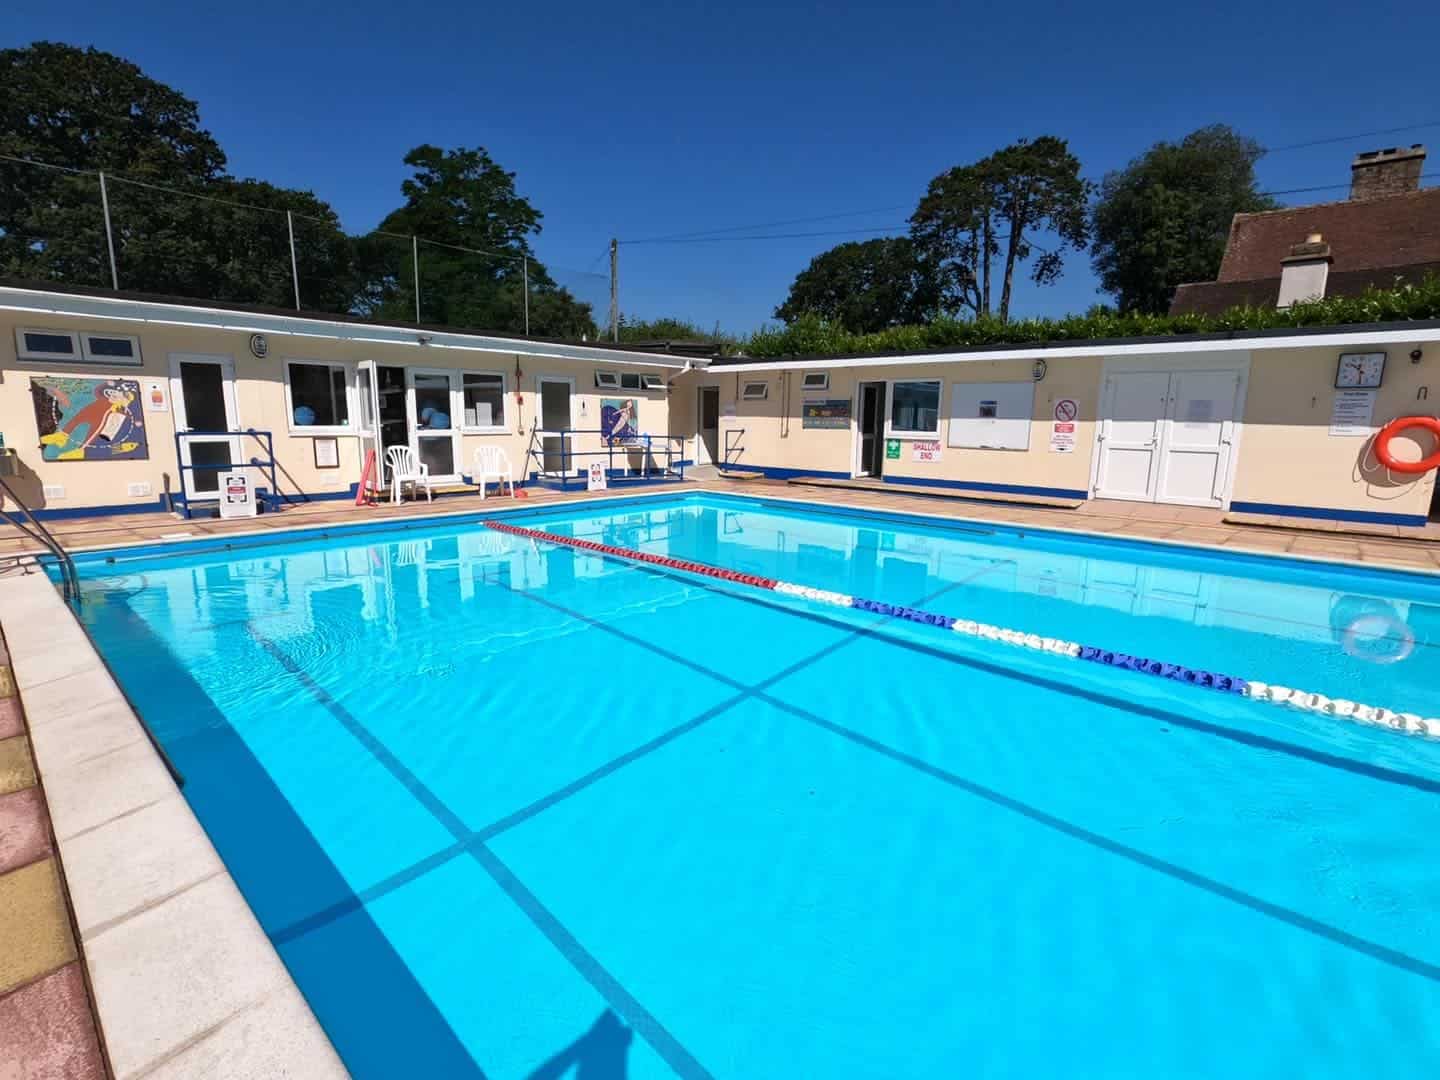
[(1360, 370)]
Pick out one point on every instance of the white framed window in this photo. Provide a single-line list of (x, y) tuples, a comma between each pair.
[(484, 401), (607, 380), (110, 348), (815, 380), (47, 344), (630, 380), (754, 391), (915, 407), (652, 382), (317, 398), (77, 346)]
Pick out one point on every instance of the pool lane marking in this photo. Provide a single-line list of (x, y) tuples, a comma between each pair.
[(621, 1000)]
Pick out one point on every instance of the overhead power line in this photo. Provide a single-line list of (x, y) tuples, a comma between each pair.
[(1328, 140), (703, 233)]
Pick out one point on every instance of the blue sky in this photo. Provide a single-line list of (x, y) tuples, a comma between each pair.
[(646, 119)]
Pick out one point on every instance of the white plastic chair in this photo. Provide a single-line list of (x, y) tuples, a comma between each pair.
[(492, 463), (406, 468)]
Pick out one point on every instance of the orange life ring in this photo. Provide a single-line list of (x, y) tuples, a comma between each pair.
[(1393, 428)]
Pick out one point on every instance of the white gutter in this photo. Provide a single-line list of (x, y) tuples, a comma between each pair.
[(1238, 343), (159, 313)]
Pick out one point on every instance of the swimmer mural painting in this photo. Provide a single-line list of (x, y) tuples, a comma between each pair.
[(89, 419), (619, 420)]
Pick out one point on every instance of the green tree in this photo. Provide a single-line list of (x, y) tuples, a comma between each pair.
[(475, 233), (973, 215), (866, 286), (1164, 219), (89, 110)]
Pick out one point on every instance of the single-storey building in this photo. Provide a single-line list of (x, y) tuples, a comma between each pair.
[(112, 402), (115, 402), (1274, 422)]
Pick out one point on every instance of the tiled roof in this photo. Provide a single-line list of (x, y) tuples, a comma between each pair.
[(1215, 297)]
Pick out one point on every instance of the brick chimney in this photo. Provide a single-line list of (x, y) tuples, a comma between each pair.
[(1304, 272), (1395, 171)]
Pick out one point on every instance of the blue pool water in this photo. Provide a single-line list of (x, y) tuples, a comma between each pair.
[(514, 810)]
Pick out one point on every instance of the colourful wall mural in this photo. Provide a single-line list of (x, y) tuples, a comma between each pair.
[(89, 419), (619, 419)]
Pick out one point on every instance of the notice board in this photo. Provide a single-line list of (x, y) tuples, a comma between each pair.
[(991, 416)]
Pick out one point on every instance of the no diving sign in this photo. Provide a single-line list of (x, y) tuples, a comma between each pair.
[(1066, 410), (1062, 430)]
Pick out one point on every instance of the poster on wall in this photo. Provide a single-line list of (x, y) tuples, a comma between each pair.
[(619, 420), (925, 450), (825, 414), (157, 396), (892, 449), (89, 419), (1352, 414)]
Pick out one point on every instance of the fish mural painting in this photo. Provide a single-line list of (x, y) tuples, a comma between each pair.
[(89, 419)]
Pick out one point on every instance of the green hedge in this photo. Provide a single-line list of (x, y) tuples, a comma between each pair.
[(810, 335)]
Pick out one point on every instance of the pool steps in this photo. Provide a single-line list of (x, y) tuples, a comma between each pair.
[(1307, 701)]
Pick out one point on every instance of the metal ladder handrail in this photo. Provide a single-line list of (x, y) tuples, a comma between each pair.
[(69, 577)]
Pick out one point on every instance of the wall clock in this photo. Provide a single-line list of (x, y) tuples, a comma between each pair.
[(1360, 371)]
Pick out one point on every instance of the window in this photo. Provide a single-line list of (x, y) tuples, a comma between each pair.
[(607, 380), (755, 391), (652, 382), (484, 401), (815, 380), (46, 345), (365, 383), (111, 349), (67, 346), (319, 397), (915, 408), (630, 380)]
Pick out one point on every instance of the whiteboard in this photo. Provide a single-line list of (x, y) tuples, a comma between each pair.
[(991, 416)]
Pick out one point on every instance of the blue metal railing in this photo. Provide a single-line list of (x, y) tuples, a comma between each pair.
[(732, 450), (272, 497), (644, 444)]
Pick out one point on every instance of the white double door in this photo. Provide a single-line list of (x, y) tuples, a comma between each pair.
[(1169, 436)]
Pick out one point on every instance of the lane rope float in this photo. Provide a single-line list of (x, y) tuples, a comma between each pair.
[(1386, 457), (1341, 708)]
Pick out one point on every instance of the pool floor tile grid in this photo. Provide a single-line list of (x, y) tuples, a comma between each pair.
[(479, 843), (47, 1025)]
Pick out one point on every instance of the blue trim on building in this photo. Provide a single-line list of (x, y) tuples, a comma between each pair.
[(1000, 489), (1367, 517), (775, 472)]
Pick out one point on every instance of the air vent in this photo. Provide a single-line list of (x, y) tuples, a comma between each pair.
[(138, 490)]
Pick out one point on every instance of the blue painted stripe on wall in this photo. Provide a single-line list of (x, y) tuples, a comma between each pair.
[(1368, 517), (977, 485)]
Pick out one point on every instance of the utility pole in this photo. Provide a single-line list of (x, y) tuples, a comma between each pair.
[(109, 234), (614, 290), (525, 287), (415, 265), (294, 269)]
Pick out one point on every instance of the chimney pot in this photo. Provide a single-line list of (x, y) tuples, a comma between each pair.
[(1392, 171)]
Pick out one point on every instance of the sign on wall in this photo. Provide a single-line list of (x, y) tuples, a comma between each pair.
[(1062, 428), (892, 449), (925, 450), (157, 395), (619, 419), (833, 413), (89, 419), (1351, 414), (595, 478), (991, 416), (237, 497)]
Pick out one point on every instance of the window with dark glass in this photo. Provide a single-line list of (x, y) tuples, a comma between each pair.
[(318, 395), (484, 400), (915, 406)]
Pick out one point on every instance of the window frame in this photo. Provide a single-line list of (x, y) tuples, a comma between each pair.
[(351, 411), (606, 379), (914, 433), (492, 429), (80, 350), (747, 387), (91, 357), (805, 377), (650, 380), (636, 383)]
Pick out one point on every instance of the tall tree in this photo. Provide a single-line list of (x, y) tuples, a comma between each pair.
[(866, 286), (83, 109), (1164, 218), (974, 215), (475, 230)]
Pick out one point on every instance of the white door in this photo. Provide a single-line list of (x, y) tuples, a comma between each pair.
[(202, 389), (434, 423), (555, 420), (368, 384), (1132, 418), (1195, 455)]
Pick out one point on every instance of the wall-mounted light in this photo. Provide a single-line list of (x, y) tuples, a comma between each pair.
[(1416, 355), (1037, 370), (424, 339)]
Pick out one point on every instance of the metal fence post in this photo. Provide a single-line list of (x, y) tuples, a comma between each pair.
[(415, 262), (109, 234), (294, 269), (525, 284)]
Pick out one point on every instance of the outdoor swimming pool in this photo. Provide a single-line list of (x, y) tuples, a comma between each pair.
[(509, 808)]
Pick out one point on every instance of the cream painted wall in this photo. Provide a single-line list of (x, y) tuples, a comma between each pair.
[(770, 442), (1287, 455), (261, 404)]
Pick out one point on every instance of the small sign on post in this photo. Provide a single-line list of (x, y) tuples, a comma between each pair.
[(237, 497), (595, 478)]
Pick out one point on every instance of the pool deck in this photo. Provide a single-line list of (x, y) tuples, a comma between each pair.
[(123, 918), (1398, 546)]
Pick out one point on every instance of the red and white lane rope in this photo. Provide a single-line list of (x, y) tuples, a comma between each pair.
[(1408, 723)]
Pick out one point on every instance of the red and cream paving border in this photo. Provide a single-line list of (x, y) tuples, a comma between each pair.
[(185, 981)]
